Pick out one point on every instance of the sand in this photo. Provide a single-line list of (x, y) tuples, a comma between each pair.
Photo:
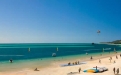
[(57, 70)]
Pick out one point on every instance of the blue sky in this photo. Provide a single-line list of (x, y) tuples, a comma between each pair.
[(59, 21)]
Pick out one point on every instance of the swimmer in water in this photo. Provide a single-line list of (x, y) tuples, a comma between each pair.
[(86, 53), (11, 60)]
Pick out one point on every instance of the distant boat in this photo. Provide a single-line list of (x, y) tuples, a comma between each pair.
[(107, 49), (29, 49), (57, 48), (54, 55)]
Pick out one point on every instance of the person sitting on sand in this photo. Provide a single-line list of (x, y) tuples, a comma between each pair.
[(36, 69)]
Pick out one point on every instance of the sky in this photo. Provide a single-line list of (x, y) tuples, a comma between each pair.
[(59, 21)]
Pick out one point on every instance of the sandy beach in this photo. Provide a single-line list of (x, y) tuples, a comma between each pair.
[(57, 70)]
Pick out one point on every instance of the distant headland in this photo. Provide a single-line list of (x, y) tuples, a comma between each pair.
[(113, 42)]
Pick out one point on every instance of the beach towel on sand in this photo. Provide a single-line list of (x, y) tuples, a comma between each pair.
[(64, 65)]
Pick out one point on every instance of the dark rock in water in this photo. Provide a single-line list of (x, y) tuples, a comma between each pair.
[(93, 43), (54, 54)]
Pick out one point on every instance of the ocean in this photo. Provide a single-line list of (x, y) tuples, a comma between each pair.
[(25, 55)]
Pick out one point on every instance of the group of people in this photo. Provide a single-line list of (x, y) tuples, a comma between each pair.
[(114, 70), (114, 60), (74, 63)]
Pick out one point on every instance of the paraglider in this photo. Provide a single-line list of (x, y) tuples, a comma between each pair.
[(98, 32)]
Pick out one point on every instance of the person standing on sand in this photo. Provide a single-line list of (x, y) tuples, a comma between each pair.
[(79, 70), (99, 61), (114, 70), (96, 67), (91, 58), (118, 71), (116, 57), (120, 55)]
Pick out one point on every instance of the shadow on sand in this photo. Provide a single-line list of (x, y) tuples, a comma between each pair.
[(72, 73)]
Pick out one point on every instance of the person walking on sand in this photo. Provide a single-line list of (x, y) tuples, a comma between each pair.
[(99, 61), (79, 70), (118, 71), (114, 70), (116, 57)]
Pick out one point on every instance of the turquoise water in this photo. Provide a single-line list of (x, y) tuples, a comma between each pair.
[(41, 53)]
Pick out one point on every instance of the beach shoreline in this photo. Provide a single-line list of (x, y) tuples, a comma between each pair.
[(57, 65)]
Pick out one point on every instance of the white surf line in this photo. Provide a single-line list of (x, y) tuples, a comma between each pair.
[(11, 55)]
